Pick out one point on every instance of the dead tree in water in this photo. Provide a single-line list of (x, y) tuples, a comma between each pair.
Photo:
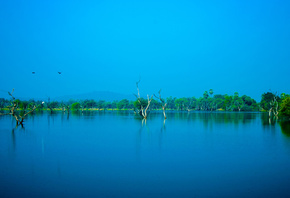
[(163, 103), (67, 108), (142, 111), (274, 107), (17, 115)]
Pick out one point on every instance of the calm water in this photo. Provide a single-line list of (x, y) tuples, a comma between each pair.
[(115, 154)]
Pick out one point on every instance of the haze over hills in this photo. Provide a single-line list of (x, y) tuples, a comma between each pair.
[(96, 95)]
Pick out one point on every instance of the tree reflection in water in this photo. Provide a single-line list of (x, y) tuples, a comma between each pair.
[(285, 127)]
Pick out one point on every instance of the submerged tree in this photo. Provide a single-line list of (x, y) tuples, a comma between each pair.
[(274, 104), (142, 109), (67, 107), (270, 102), (267, 102), (52, 105), (163, 103), (18, 115)]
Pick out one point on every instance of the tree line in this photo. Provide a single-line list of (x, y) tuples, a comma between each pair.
[(270, 102)]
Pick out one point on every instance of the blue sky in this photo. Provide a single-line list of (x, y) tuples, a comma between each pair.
[(183, 47)]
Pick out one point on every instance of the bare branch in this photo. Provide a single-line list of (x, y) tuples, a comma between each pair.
[(163, 103), (137, 83), (19, 119), (29, 112), (11, 94), (142, 111)]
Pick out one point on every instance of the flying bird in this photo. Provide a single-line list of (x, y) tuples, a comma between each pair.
[(33, 72), (59, 72)]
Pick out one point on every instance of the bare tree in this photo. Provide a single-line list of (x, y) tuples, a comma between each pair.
[(67, 107), (142, 111), (163, 103), (51, 106), (274, 106), (13, 111)]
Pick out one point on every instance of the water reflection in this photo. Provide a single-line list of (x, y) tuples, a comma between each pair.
[(51, 116), (209, 119), (215, 117), (13, 139), (16, 129), (119, 152), (89, 113), (77, 113), (270, 123), (161, 134), (285, 127)]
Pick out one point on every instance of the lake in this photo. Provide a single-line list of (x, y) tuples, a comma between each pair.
[(116, 154)]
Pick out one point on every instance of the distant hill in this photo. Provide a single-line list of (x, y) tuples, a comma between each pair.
[(97, 95)]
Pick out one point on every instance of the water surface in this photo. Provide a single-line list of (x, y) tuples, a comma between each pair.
[(116, 154)]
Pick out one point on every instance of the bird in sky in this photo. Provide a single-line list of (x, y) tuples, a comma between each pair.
[(33, 72), (59, 72)]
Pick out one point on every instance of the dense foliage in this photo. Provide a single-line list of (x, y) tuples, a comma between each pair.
[(285, 106), (208, 102), (267, 99)]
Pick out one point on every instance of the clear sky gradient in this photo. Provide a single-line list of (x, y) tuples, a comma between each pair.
[(183, 47)]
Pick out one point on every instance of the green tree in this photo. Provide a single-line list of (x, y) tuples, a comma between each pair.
[(114, 104), (19, 116), (236, 95), (219, 103), (285, 107), (101, 104), (266, 100), (139, 103), (205, 95), (170, 102), (211, 92), (123, 104), (185, 103), (76, 106), (91, 104), (238, 104), (249, 104), (3, 103), (155, 104), (182, 104), (228, 103), (107, 105), (52, 105), (204, 104), (131, 105), (192, 103), (23, 105)]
